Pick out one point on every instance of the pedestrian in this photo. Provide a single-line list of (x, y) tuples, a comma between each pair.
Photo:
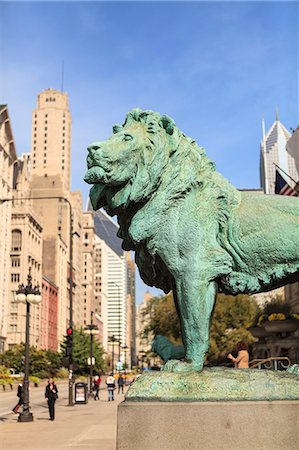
[(110, 381), (120, 383), (242, 359), (20, 394), (51, 395), (96, 387)]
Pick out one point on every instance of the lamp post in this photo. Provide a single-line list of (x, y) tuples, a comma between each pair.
[(112, 339), (29, 295), (91, 330), (142, 355), (125, 348), (70, 356), (119, 327)]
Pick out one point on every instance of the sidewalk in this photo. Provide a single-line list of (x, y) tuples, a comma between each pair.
[(90, 427)]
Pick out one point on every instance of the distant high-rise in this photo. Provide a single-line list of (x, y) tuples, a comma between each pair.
[(51, 135), (273, 151), (111, 279)]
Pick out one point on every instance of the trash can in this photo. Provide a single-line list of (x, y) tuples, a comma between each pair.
[(81, 393)]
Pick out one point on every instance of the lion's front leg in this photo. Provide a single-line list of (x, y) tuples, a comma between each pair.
[(195, 300)]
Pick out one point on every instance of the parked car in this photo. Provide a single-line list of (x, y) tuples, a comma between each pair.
[(15, 374)]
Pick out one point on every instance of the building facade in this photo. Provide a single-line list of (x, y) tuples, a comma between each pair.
[(88, 277), (25, 253), (8, 158), (49, 316)]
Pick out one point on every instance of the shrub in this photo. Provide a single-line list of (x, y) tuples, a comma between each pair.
[(35, 380), (62, 373)]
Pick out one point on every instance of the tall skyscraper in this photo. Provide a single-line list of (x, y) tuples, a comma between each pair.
[(51, 136), (51, 160), (273, 151), (110, 280)]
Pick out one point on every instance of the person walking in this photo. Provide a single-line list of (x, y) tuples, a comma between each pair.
[(110, 381), (20, 394), (51, 394), (242, 360), (96, 387), (120, 383)]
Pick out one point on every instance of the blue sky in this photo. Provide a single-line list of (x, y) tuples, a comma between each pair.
[(215, 67)]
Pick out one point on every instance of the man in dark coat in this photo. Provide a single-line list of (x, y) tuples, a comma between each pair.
[(120, 383)]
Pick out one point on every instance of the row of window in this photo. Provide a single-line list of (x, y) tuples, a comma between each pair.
[(16, 242)]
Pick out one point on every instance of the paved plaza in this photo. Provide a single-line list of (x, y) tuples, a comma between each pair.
[(85, 427)]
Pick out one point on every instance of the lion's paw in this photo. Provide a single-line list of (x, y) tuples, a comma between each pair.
[(174, 365)]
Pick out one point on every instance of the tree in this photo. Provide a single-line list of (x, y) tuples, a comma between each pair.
[(231, 317), (161, 318), (42, 363), (14, 357), (81, 352)]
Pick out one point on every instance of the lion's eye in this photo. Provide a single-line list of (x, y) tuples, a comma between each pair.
[(128, 137)]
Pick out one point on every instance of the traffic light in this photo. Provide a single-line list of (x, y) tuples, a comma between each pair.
[(69, 342)]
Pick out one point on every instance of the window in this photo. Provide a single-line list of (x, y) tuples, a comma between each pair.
[(16, 241), (15, 261), (13, 328), (15, 277), (14, 316)]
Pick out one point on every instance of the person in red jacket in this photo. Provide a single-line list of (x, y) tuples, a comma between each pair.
[(96, 386)]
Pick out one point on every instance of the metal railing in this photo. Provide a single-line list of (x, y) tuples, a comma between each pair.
[(273, 363)]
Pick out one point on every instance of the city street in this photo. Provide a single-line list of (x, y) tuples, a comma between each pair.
[(90, 427)]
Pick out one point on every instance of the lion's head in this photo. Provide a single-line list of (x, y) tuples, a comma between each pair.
[(129, 166)]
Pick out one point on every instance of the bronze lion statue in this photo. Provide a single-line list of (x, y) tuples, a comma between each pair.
[(191, 230)]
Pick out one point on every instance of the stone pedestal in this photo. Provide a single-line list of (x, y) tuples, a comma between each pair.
[(242, 425)]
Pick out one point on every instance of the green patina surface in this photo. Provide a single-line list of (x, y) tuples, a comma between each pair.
[(215, 384), (191, 230)]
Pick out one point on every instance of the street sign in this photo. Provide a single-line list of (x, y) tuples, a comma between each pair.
[(92, 361)]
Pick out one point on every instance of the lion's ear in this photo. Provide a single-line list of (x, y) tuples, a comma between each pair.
[(168, 124), (117, 129)]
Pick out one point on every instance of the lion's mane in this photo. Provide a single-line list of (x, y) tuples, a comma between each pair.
[(169, 167)]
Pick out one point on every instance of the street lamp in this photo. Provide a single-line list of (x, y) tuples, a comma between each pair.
[(29, 295), (125, 348), (91, 330), (112, 339)]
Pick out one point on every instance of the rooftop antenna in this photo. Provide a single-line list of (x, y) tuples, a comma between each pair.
[(264, 154), (263, 128), (276, 114), (62, 75)]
